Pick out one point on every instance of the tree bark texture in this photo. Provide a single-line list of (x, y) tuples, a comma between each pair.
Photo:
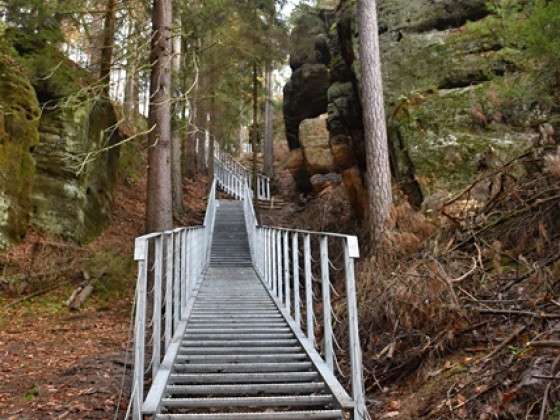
[(107, 47), (176, 145), (255, 128), (377, 152), (268, 126), (159, 214)]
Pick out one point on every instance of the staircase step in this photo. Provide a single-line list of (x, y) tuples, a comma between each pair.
[(288, 415), (285, 401), (251, 389), (242, 378), (238, 350), (257, 358), (242, 367)]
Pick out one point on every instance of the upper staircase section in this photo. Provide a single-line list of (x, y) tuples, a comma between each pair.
[(232, 177), (230, 244)]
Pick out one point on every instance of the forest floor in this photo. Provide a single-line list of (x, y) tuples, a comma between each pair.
[(61, 364)]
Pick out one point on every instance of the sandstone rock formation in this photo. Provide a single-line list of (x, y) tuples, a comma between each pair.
[(448, 85), (44, 180), (19, 121)]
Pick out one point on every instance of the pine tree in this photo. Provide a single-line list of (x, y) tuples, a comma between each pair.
[(377, 151), (159, 213)]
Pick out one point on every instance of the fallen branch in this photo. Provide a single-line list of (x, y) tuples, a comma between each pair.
[(484, 311), (36, 294), (504, 343), (80, 295), (547, 389), (545, 343)]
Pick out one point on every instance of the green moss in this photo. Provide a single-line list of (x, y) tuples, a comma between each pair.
[(115, 273), (19, 120), (446, 138)]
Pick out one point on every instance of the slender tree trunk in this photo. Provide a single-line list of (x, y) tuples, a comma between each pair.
[(255, 129), (201, 117), (107, 47), (132, 87), (212, 130), (377, 153), (268, 126), (190, 152), (159, 213), (176, 146)]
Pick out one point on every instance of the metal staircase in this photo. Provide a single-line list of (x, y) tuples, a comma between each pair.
[(225, 329)]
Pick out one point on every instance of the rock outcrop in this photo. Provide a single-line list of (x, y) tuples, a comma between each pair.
[(448, 81), (57, 166), (19, 121)]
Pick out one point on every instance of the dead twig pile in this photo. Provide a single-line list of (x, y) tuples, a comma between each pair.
[(481, 291)]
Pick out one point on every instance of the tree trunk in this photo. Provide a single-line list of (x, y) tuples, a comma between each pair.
[(132, 87), (190, 151), (201, 117), (212, 130), (107, 47), (377, 154), (268, 126), (159, 214), (255, 129), (176, 146)]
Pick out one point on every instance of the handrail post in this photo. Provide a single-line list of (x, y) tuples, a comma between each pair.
[(140, 255), (156, 317), (176, 277), (295, 277), (168, 288), (326, 293), (274, 262), (183, 276), (350, 253), (279, 286), (287, 272), (308, 288)]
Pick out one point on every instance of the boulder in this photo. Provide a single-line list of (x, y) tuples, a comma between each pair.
[(314, 139), (305, 96), (322, 182)]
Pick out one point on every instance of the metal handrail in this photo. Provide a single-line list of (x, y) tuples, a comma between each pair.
[(276, 258), (170, 268), (231, 175)]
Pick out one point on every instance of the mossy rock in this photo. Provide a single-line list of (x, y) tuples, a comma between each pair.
[(447, 134), (19, 121), (74, 184)]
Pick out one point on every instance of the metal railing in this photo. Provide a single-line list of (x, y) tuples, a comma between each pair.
[(300, 273), (170, 268), (232, 175)]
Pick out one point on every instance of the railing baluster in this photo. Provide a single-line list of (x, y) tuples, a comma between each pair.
[(274, 262), (168, 288), (295, 276), (308, 287), (270, 260), (354, 335), (287, 293), (183, 272), (156, 316), (326, 293), (140, 255), (280, 284), (176, 277)]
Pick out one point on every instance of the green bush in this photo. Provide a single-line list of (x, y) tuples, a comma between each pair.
[(541, 31)]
